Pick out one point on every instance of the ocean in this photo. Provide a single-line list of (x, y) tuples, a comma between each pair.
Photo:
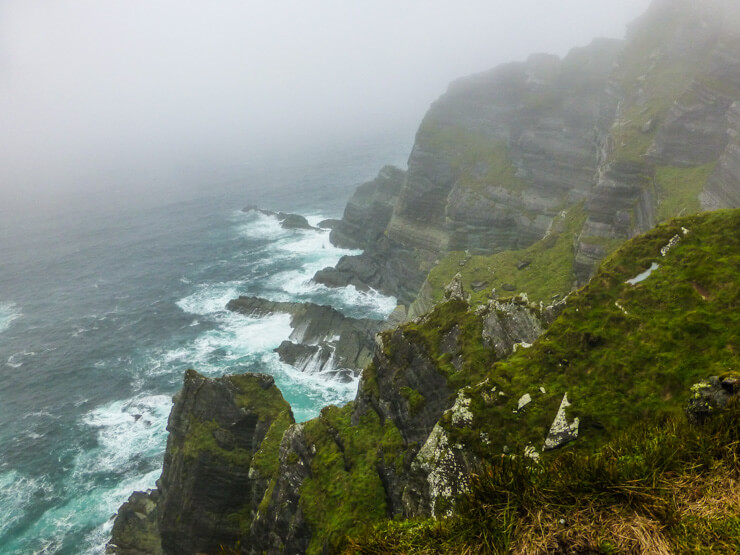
[(103, 306)]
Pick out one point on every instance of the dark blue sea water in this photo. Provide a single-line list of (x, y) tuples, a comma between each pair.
[(104, 304)]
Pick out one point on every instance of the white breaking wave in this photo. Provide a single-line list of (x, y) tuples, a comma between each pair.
[(260, 226), (126, 431), (211, 298), (8, 313), (308, 392), (17, 493), (238, 338)]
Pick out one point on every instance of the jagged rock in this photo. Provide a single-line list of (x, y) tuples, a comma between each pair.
[(454, 289), (402, 363), (508, 287), (387, 267), (511, 323), (440, 472), (211, 479), (323, 339), (136, 531), (711, 396), (280, 527), (561, 431)]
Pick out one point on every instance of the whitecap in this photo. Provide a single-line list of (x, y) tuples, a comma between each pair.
[(210, 298), (261, 226), (126, 431), (18, 492), (16, 360), (379, 305), (307, 393), (8, 313)]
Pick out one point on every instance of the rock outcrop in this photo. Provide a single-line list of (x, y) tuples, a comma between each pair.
[(368, 211), (323, 339), (217, 467), (287, 221)]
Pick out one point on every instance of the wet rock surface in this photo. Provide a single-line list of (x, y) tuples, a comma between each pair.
[(323, 339), (211, 480)]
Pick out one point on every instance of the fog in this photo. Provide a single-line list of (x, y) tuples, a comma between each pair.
[(96, 94)]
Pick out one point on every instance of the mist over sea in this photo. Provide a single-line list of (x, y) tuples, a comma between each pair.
[(105, 304)]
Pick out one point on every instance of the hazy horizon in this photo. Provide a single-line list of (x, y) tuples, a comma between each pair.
[(98, 95)]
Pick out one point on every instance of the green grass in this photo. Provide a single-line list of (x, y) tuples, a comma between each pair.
[(200, 439), (617, 368), (549, 273), (415, 399), (476, 358), (344, 493), (651, 488), (679, 188), (480, 161)]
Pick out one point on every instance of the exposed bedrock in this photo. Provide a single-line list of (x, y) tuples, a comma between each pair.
[(368, 211), (213, 478), (723, 187), (387, 267), (280, 526), (500, 152), (323, 339)]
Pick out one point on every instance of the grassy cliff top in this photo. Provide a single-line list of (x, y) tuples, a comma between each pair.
[(626, 351)]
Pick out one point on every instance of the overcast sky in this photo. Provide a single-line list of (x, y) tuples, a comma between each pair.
[(90, 87)]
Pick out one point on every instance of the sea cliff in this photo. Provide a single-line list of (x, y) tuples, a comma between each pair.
[(524, 183)]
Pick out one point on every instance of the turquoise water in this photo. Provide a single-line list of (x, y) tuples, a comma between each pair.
[(103, 307)]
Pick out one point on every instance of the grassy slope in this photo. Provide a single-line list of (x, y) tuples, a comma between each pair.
[(619, 369), (549, 273), (345, 493), (625, 352), (666, 488)]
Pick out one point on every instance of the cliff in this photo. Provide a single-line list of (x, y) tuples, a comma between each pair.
[(635, 131), (506, 400), (449, 394), (220, 459)]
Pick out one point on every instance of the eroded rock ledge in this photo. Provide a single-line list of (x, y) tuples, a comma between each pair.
[(323, 339)]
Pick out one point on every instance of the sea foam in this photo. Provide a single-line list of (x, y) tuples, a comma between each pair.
[(8, 313)]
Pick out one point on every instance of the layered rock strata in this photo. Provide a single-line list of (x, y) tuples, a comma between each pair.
[(217, 468)]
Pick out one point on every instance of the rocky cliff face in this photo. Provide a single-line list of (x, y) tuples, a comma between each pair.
[(671, 92), (640, 130), (368, 211), (217, 467), (444, 394), (522, 166)]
